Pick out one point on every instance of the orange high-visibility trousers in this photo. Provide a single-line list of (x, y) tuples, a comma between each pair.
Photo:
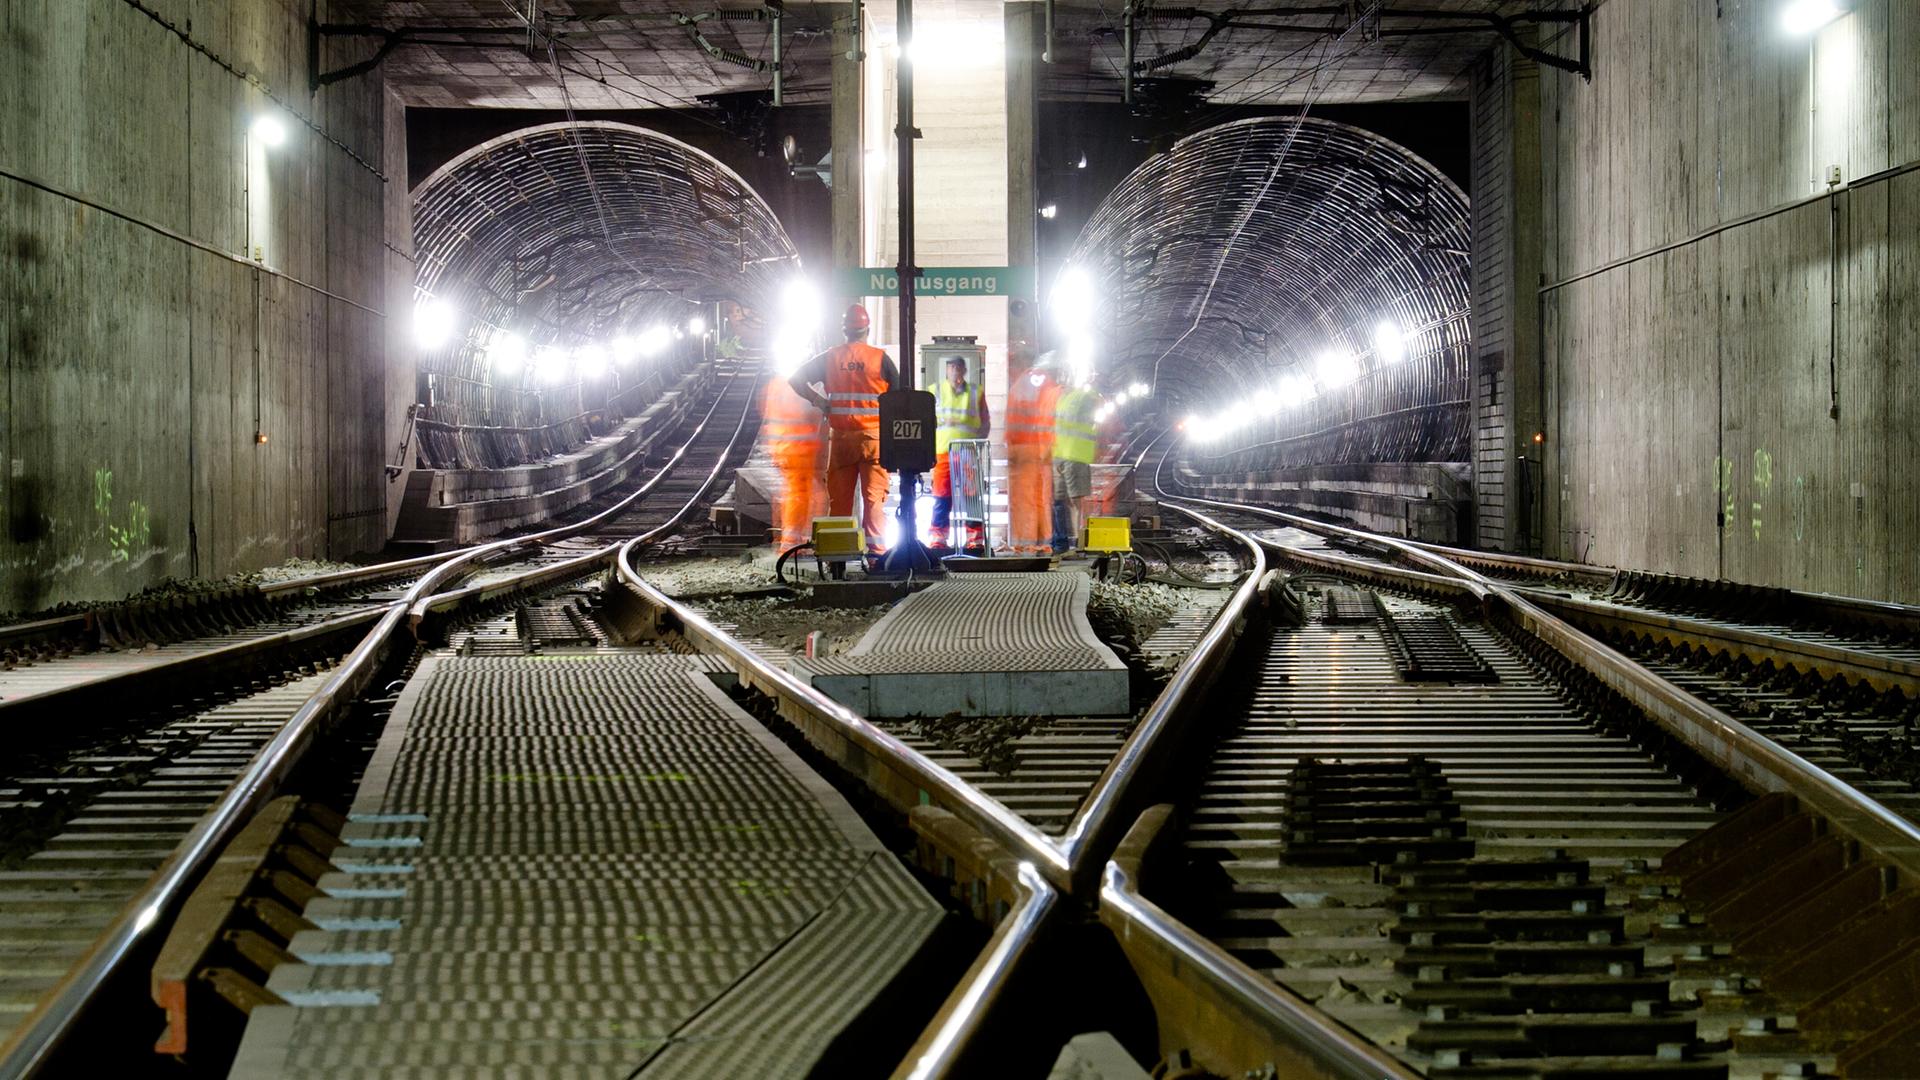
[(802, 496), (1030, 498), (853, 461), (942, 482)]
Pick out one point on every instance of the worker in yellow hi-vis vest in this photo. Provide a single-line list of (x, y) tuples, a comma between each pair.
[(960, 412), (1075, 445)]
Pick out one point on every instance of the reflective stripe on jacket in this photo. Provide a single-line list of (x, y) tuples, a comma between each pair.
[(958, 414), (1030, 410), (1074, 435), (790, 418), (856, 377)]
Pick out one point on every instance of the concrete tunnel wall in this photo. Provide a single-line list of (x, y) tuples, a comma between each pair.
[(1690, 291), (128, 310)]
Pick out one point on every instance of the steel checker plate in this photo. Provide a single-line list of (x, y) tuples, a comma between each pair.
[(617, 869)]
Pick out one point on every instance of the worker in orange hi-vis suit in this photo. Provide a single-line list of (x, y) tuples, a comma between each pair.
[(797, 444), (1030, 401), (854, 375)]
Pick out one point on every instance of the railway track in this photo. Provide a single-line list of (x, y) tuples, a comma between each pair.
[(1831, 678), (112, 819), (1450, 866), (1431, 823), (43, 658), (1390, 819)]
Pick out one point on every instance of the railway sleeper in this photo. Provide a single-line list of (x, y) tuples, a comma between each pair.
[(236, 925), (1826, 939)]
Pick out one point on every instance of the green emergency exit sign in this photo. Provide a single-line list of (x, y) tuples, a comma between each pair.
[(938, 281)]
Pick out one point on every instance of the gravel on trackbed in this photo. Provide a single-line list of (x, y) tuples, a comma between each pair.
[(780, 621), (1146, 606), (708, 574), (785, 625)]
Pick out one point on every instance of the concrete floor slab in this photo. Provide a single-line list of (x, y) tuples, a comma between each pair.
[(981, 645)]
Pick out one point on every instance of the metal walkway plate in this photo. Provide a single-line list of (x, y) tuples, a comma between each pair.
[(981, 645), (587, 865)]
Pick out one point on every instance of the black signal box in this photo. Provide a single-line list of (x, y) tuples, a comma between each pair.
[(906, 431)]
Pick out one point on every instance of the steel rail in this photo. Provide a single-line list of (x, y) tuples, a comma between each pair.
[(1833, 607), (1877, 670), (1097, 826), (1318, 1038), (122, 686), (1069, 861), (1475, 581), (83, 621), (1312, 1039), (1863, 665), (888, 765), (906, 777), (957, 1026), (1750, 758), (58, 625), (32, 1044), (419, 605)]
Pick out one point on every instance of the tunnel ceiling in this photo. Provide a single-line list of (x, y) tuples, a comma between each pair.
[(1281, 54), (628, 54), (1251, 250), (573, 233)]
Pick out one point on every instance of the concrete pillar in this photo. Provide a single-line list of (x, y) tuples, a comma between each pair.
[(1024, 43), (1527, 400), (849, 162), (400, 389), (1507, 468)]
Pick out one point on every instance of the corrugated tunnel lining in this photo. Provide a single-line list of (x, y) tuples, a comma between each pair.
[(517, 232), (1247, 250)]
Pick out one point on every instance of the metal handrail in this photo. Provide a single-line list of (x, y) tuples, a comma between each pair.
[(957, 1025), (31, 1045)]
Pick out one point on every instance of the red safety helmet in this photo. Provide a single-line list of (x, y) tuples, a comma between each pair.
[(856, 318)]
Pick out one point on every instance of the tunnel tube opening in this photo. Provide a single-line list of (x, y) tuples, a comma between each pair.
[(1295, 291), (557, 264)]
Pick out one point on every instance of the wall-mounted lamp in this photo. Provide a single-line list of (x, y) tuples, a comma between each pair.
[(1801, 17), (268, 129)]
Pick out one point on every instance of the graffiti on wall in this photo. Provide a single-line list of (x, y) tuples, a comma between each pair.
[(122, 540)]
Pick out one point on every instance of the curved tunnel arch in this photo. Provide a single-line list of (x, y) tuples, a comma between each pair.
[(1248, 250), (517, 234)]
